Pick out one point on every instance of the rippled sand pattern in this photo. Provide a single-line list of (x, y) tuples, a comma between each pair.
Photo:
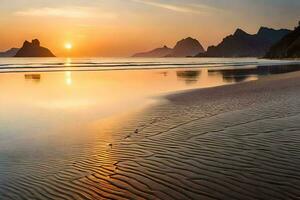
[(233, 142)]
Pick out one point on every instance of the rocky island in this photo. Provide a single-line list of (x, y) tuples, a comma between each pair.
[(34, 49), (187, 47)]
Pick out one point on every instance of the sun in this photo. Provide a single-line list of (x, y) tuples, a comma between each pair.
[(68, 46)]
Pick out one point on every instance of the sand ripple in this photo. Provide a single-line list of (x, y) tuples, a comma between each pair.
[(233, 142)]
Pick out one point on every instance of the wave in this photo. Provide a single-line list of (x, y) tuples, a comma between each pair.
[(46, 65)]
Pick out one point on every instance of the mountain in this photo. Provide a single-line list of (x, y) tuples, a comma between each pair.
[(9, 53), (155, 53), (184, 48), (33, 49), (242, 44), (187, 47), (287, 47)]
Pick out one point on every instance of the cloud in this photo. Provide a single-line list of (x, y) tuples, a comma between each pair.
[(165, 6), (73, 12), (201, 8), (187, 8)]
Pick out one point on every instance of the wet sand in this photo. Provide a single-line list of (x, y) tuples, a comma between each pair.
[(231, 142)]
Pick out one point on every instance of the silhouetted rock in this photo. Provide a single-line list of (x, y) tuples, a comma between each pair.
[(156, 53), (184, 48), (9, 53), (242, 44), (187, 47), (287, 47), (33, 49)]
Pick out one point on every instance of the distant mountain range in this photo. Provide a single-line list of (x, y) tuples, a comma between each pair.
[(287, 47), (187, 47), (34, 49), (267, 42), (9, 53), (155, 53), (242, 44)]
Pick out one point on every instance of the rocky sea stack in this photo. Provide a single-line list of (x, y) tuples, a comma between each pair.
[(34, 49), (187, 47)]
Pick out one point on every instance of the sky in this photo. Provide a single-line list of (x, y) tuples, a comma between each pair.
[(124, 27)]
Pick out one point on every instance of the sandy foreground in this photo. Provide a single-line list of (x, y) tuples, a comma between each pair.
[(239, 141)]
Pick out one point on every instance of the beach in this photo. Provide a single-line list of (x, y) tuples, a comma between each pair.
[(229, 142), (235, 141), (150, 100)]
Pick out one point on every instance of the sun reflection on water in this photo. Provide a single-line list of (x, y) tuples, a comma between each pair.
[(68, 62)]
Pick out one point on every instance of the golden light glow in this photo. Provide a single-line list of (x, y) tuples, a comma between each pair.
[(69, 80), (68, 46), (68, 62)]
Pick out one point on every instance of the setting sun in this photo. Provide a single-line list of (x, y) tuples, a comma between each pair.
[(68, 46)]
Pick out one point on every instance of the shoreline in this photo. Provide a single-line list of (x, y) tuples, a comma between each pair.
[(228, 132), (238, 141), (100, 64), (198, 91)]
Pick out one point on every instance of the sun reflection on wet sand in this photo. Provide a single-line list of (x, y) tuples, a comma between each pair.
[(69, 80), (69, 109), (67, 99)]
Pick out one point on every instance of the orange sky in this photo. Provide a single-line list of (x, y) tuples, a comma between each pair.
[(123, 27)]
